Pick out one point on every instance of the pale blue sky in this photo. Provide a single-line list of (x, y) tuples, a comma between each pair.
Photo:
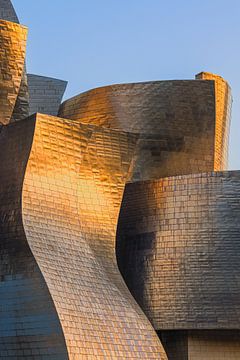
[(97, 42)]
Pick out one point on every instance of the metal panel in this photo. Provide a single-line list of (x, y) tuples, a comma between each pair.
[(45, 94), (29, 324), (223, 104), (21, 110), (12, 56), (179, 250), (176, 120), (7, 11), (72, 194)]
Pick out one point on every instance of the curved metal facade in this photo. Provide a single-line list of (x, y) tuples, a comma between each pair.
[(62, 202), (29, 325), (12, 55), (183, 128), (176, 119), (223, 110), (59, 258), (179, 250), (45, 94)]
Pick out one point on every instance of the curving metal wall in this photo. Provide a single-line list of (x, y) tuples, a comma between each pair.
[(29, 325), (223, 110), (62, 296), (12, 55), (180, 284), (71, 197), (176, 120), (45, 94), (179, 250)]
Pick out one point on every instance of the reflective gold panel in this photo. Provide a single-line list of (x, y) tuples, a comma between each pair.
[(176, 121), (45, 94), (29, 324), (12, 55), (71, 198), (133, 162), (223, 105)]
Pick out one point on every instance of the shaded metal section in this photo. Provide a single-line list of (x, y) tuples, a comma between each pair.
[(7, 11), (72, 194), (45, 94), (175, 344), (29, 325), (12, 55), (21, 110), (176, 120), (179, 250)]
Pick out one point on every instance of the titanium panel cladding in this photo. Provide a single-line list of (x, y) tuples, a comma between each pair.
[(62, 179), (12, 55), (21, 110), (223, 104), (71, 198), (7, 11), (176, 121), (29, 324), (45, 94), (179, 250)]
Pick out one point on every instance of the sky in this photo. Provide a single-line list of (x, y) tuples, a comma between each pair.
[(92, 43)]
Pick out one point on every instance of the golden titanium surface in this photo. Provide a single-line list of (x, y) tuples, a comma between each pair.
[(63, 217), (223, 109), (12, 55), (71, 198), (183, 128)]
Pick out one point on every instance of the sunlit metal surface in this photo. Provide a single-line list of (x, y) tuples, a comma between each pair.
[(71, 198), (29, 325), (21, 109), (176, 120), (223, 105), (202, 344), (62, 181), (12, 56), (184, 129)]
